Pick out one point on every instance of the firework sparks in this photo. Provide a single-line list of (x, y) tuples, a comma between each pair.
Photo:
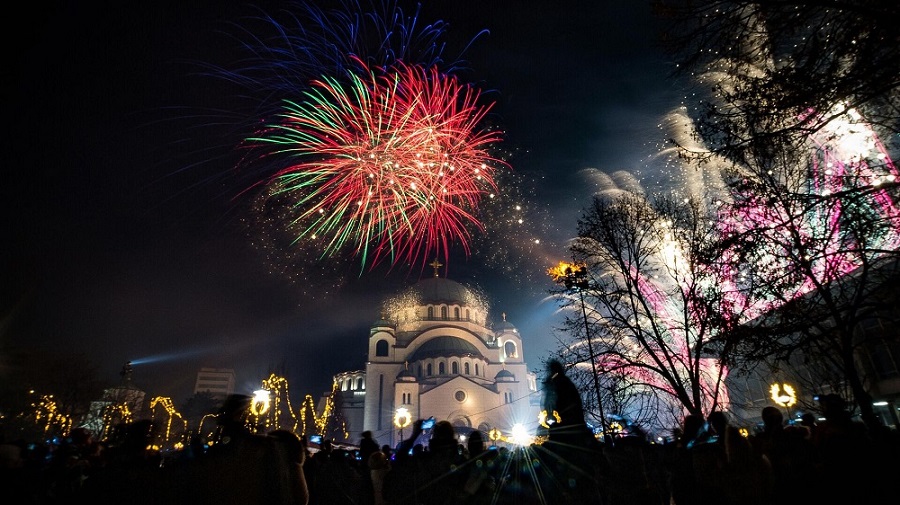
[(393, 166)]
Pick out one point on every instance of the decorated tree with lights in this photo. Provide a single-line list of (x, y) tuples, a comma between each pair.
[(647, 304), (46, 393)]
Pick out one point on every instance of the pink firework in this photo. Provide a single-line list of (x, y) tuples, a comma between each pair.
[(850, 167)]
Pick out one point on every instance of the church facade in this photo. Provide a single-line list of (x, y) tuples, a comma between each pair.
[(435, 353)]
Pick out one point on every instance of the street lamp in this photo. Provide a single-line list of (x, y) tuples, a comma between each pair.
[(402, 419), (260, 405), (574, 278)]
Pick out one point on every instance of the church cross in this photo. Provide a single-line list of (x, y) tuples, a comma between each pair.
[(435, 265)]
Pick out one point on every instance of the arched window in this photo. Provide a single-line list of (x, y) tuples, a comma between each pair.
[(359, 383), (441, 369), (466, 368), (428, 371), (476, 368), (345, 384), (456, 313), (381, 348), (454, 368), (510, 349), (430, 312), (467, 314), (444, 313)]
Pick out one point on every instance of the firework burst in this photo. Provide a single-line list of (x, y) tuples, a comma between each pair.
[(393, 165)]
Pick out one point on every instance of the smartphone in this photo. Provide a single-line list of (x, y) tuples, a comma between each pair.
[(428, 423), (315, 439)]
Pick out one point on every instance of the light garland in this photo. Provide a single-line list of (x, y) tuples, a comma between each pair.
[(47, 409), (783, 394), (171, 412), (542, 418)]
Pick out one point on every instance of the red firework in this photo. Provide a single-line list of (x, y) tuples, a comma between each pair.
[(393, 165)]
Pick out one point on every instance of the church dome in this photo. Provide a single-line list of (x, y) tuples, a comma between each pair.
[(504, 375), (406, 375), (437, 290), (505, 326), (445, 346)]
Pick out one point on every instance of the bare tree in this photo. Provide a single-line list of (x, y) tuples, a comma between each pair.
[(66, 382), (199, 405), (795, 94), (820, 237), (653, 303), (767, 64)]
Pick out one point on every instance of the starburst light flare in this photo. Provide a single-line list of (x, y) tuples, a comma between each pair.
[(393, 166)]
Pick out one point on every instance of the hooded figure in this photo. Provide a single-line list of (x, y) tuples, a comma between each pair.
[(562, 396)]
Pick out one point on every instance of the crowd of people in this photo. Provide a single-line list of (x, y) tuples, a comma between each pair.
[(831, 459)]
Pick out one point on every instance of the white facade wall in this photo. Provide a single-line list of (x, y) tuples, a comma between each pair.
[(485, 403)]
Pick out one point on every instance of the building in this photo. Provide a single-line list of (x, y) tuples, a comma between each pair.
[(124, 403), (218, 382), (435, 354), (351, 400), (875, 352)]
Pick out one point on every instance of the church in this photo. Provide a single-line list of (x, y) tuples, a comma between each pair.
[(435, 353)]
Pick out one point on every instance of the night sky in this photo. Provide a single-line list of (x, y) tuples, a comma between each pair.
[(123, 240)]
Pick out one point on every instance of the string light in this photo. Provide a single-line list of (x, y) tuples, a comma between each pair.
[(172, 413)]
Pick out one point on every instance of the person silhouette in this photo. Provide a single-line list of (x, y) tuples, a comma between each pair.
[(562, 397), (844, 449), (367, 447), (243, 467), (296, 457), (576, 454)]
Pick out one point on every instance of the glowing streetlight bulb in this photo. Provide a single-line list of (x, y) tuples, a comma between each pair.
[(260, 403), (519, 435)]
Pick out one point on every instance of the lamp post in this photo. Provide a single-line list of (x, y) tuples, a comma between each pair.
[(402, 419), (260, 406), (574, 278)]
